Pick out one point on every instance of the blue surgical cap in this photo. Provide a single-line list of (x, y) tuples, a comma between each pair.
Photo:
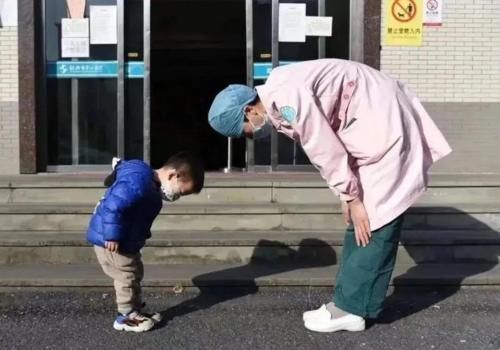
[(227, 113)]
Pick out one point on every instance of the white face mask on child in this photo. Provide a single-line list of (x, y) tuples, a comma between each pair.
[(170, 192)]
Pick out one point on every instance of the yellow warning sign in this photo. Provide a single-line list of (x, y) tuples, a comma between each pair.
[(403, 22)]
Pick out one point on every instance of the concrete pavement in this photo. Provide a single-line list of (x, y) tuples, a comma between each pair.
[(248, 319)]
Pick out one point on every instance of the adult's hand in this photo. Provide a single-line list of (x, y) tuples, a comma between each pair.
[(360, 220)]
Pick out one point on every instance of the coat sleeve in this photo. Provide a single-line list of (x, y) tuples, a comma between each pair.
[(325, 151), (432, 136), (120, 198)]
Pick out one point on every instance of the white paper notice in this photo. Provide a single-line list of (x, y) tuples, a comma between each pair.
[(292, 23), (433, 12), (75, 28), (319, 26), (8, 13), (103, 25), (74, 47)]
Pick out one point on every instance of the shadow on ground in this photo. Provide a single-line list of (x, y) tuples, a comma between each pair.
[(242, 279), (456, 241), (471, 258)]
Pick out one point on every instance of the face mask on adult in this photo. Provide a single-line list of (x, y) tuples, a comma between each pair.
[(170, 190), (262, 130)]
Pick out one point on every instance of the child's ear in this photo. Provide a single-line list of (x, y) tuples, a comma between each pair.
[(171, 174)]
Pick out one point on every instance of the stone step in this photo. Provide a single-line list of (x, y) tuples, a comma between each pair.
[(243, 188), (417, 247), (248, 275), (260, 216)]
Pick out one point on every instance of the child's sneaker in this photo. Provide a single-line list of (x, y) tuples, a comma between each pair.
[(155, 316), (133, 322)]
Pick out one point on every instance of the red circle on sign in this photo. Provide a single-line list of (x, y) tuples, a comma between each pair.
[(404, 14), (432, 5)]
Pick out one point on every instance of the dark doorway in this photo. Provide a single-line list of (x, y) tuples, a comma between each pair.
[(197, 48)]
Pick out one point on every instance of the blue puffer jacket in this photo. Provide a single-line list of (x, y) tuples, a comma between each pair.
[(128, 208)]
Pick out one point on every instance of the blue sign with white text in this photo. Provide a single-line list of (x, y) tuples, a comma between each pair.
[(261, 70), (92, 69)]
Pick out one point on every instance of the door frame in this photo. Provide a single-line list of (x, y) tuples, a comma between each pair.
[(120, 96), (356, 53), (365, 20), (32, 116)]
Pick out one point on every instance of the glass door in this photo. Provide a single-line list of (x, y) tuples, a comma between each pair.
[(278, 152), (137, 79), (95, 73)]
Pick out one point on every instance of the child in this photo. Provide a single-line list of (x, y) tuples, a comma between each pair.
[(122, 221)]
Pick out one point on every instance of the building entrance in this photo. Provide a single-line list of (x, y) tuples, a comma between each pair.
[(139, 82), (197, 48)]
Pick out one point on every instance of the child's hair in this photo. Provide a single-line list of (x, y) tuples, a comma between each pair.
[(189, 168), (110, 179)]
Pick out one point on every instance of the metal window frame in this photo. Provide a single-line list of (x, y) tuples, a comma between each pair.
[(120, 80), (249, 153), (321, 54), (356, 30), (147, 81), (321, 39), (41, 93), (275, 63), (356, 52), (78, 168), (275, 165), (250, 144), (356, 45), (75, 129)]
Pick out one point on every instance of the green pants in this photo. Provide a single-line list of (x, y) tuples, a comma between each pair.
[(365, 272)]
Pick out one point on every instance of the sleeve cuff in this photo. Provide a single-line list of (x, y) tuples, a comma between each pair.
[(347, 197)]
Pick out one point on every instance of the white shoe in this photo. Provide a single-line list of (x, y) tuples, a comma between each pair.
[(323, 324), (318, 313), (133, 322), (155, 316)]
